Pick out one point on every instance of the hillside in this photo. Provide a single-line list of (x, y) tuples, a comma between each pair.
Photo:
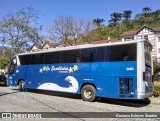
[(120, 23)]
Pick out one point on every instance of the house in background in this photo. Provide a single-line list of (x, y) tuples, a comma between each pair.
[(152, 35), (45, 46), (49, 45), (158, 42), (35, 48)]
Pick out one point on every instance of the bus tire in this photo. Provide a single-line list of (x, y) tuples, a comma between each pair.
[(88, 93), (21, 86)]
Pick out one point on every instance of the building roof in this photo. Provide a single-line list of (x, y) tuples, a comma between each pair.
[(131, 33), (114, 40), (100, 42), (53, 44), (81, 43), (37, 46)]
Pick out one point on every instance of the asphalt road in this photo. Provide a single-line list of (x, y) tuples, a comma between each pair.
[(60, 104)]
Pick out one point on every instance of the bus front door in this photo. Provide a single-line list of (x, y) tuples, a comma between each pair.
[(11, 73)]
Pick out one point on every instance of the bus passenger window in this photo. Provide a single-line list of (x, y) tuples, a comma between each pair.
[(124, 55), (123, 52), (107, 54), (24, 59), (78, 59), (69, 56), (91, 57), (99, 56), (84, 55), (37, 58), (52, 57)]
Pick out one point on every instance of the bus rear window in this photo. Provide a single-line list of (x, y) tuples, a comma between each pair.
[(147, 54)]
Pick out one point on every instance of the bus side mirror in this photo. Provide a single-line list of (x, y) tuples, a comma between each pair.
[(12, 63)]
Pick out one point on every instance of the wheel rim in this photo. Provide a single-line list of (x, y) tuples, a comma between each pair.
[(88, 93)]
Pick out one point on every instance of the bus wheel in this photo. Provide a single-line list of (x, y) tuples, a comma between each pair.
[(21, 86), (88, 93)]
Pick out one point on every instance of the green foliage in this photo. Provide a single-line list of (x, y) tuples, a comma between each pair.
[(5, 57), (156, 69), (121, 22), (127, 14), (115, 18), (98, 22), (156, 90)]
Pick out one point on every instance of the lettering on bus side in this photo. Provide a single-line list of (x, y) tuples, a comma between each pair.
[(60, 69), (130, 68)]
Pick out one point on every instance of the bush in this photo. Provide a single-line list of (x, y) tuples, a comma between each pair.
[(156, 90)]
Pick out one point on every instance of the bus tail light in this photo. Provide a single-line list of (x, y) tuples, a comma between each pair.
[(144, 76)]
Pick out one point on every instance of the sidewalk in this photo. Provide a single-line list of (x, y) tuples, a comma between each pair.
[(155, 101)]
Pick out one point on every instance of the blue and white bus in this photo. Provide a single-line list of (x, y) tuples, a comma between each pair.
[(121, 70)]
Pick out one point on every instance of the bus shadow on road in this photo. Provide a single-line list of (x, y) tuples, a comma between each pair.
[(123, 102), (3, 86), (52, 93), (3, 94)]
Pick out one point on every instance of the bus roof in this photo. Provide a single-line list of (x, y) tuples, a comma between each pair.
[(83, 46)]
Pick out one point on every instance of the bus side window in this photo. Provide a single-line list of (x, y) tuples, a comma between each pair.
[(107, 54), (99, 56), (84, 55), (69, 56), (78, 60), (124, 55), (25, 59), (122, 52), (37, 58), (93, 55), (52, 57)]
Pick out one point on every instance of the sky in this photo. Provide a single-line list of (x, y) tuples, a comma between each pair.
[(91, 9)]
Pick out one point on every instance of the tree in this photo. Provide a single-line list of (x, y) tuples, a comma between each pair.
[(65, 28), (156, 14), (98, 22), (115, 18), (19, 29), (5, 57), (127, 14), (146, 11)]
